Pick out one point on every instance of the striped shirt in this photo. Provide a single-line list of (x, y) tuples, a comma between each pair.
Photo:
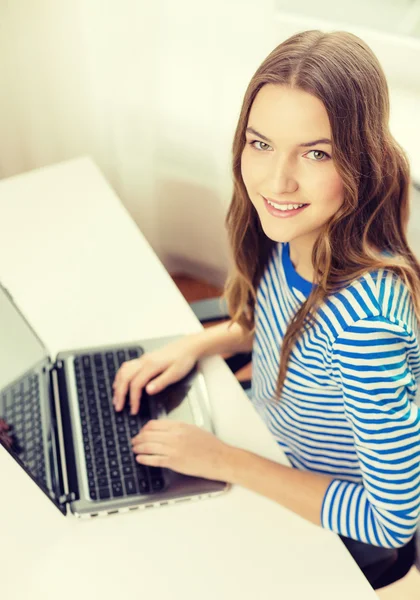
[(348, 403)]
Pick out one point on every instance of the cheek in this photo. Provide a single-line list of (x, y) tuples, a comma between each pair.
[(330, 190)]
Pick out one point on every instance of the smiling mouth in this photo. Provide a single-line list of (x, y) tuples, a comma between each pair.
[(285, 207)]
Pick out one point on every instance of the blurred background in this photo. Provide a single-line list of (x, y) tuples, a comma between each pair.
[(152, 91)]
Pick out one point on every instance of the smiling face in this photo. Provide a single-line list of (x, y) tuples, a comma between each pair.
[(289, 162)]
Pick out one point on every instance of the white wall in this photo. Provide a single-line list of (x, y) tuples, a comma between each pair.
[(152, 90)]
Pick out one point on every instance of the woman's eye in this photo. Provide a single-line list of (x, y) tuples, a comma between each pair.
[(258, 142), (319, 155)]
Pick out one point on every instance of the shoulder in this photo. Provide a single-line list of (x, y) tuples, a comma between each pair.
[(379, 299)]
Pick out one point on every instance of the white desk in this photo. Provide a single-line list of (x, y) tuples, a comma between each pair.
[(83, 274)]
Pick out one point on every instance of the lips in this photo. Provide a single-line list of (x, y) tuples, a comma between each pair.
[(283, 203), (283, 214)]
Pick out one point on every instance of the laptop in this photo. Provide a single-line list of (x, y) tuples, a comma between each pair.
[(68, 437)]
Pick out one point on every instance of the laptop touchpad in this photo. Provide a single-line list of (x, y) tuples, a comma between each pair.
[(174, 403)]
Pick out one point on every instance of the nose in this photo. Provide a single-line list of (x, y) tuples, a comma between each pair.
[(281, 178)]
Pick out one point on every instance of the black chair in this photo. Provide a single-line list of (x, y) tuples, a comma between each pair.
[(215, 309), (404, 562)]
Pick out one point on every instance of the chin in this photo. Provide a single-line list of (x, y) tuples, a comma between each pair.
[(275, 235)]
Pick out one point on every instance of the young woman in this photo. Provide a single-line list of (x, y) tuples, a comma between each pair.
[(326, 293)]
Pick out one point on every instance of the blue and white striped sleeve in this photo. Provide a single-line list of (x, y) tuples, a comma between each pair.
[(370, 363)]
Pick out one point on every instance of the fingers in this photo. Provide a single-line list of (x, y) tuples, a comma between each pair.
[(133, 376), (151, 448), (160, 383), (131, 373), (152, 460), (148, 431), (137, 384), (122, 381), (136, 388)]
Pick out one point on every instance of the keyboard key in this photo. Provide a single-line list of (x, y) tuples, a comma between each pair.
[(100, 461), (99, 453), (117, 488), (144, 486), (157, 484), (130, 485), (115, 474), (104, 493)]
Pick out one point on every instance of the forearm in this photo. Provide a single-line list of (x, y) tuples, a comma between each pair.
[(338, 505), (220, 339), (300, 491)]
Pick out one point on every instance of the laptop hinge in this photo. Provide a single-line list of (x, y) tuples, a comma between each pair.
[(69, 481), (66, 498), (54, 435)]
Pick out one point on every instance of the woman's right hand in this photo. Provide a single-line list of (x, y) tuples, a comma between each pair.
[(159, 368)]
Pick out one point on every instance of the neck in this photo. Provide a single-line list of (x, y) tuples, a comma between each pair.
[(301, 258)]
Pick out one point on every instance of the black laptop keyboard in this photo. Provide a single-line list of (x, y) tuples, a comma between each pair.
[(20, 408), (111, 467)]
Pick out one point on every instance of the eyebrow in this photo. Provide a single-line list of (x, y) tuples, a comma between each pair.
[(304, 144)]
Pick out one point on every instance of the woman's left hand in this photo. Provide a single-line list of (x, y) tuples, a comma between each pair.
[(183, 448)]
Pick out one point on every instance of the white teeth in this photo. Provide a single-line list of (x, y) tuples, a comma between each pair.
[(285, 206)]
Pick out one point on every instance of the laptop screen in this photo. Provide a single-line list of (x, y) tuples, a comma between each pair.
[(20, 348), (21, 391)]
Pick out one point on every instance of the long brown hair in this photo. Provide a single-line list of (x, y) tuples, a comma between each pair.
[(339, 69)]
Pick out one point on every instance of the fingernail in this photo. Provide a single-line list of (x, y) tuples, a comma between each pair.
[(151, 387)]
